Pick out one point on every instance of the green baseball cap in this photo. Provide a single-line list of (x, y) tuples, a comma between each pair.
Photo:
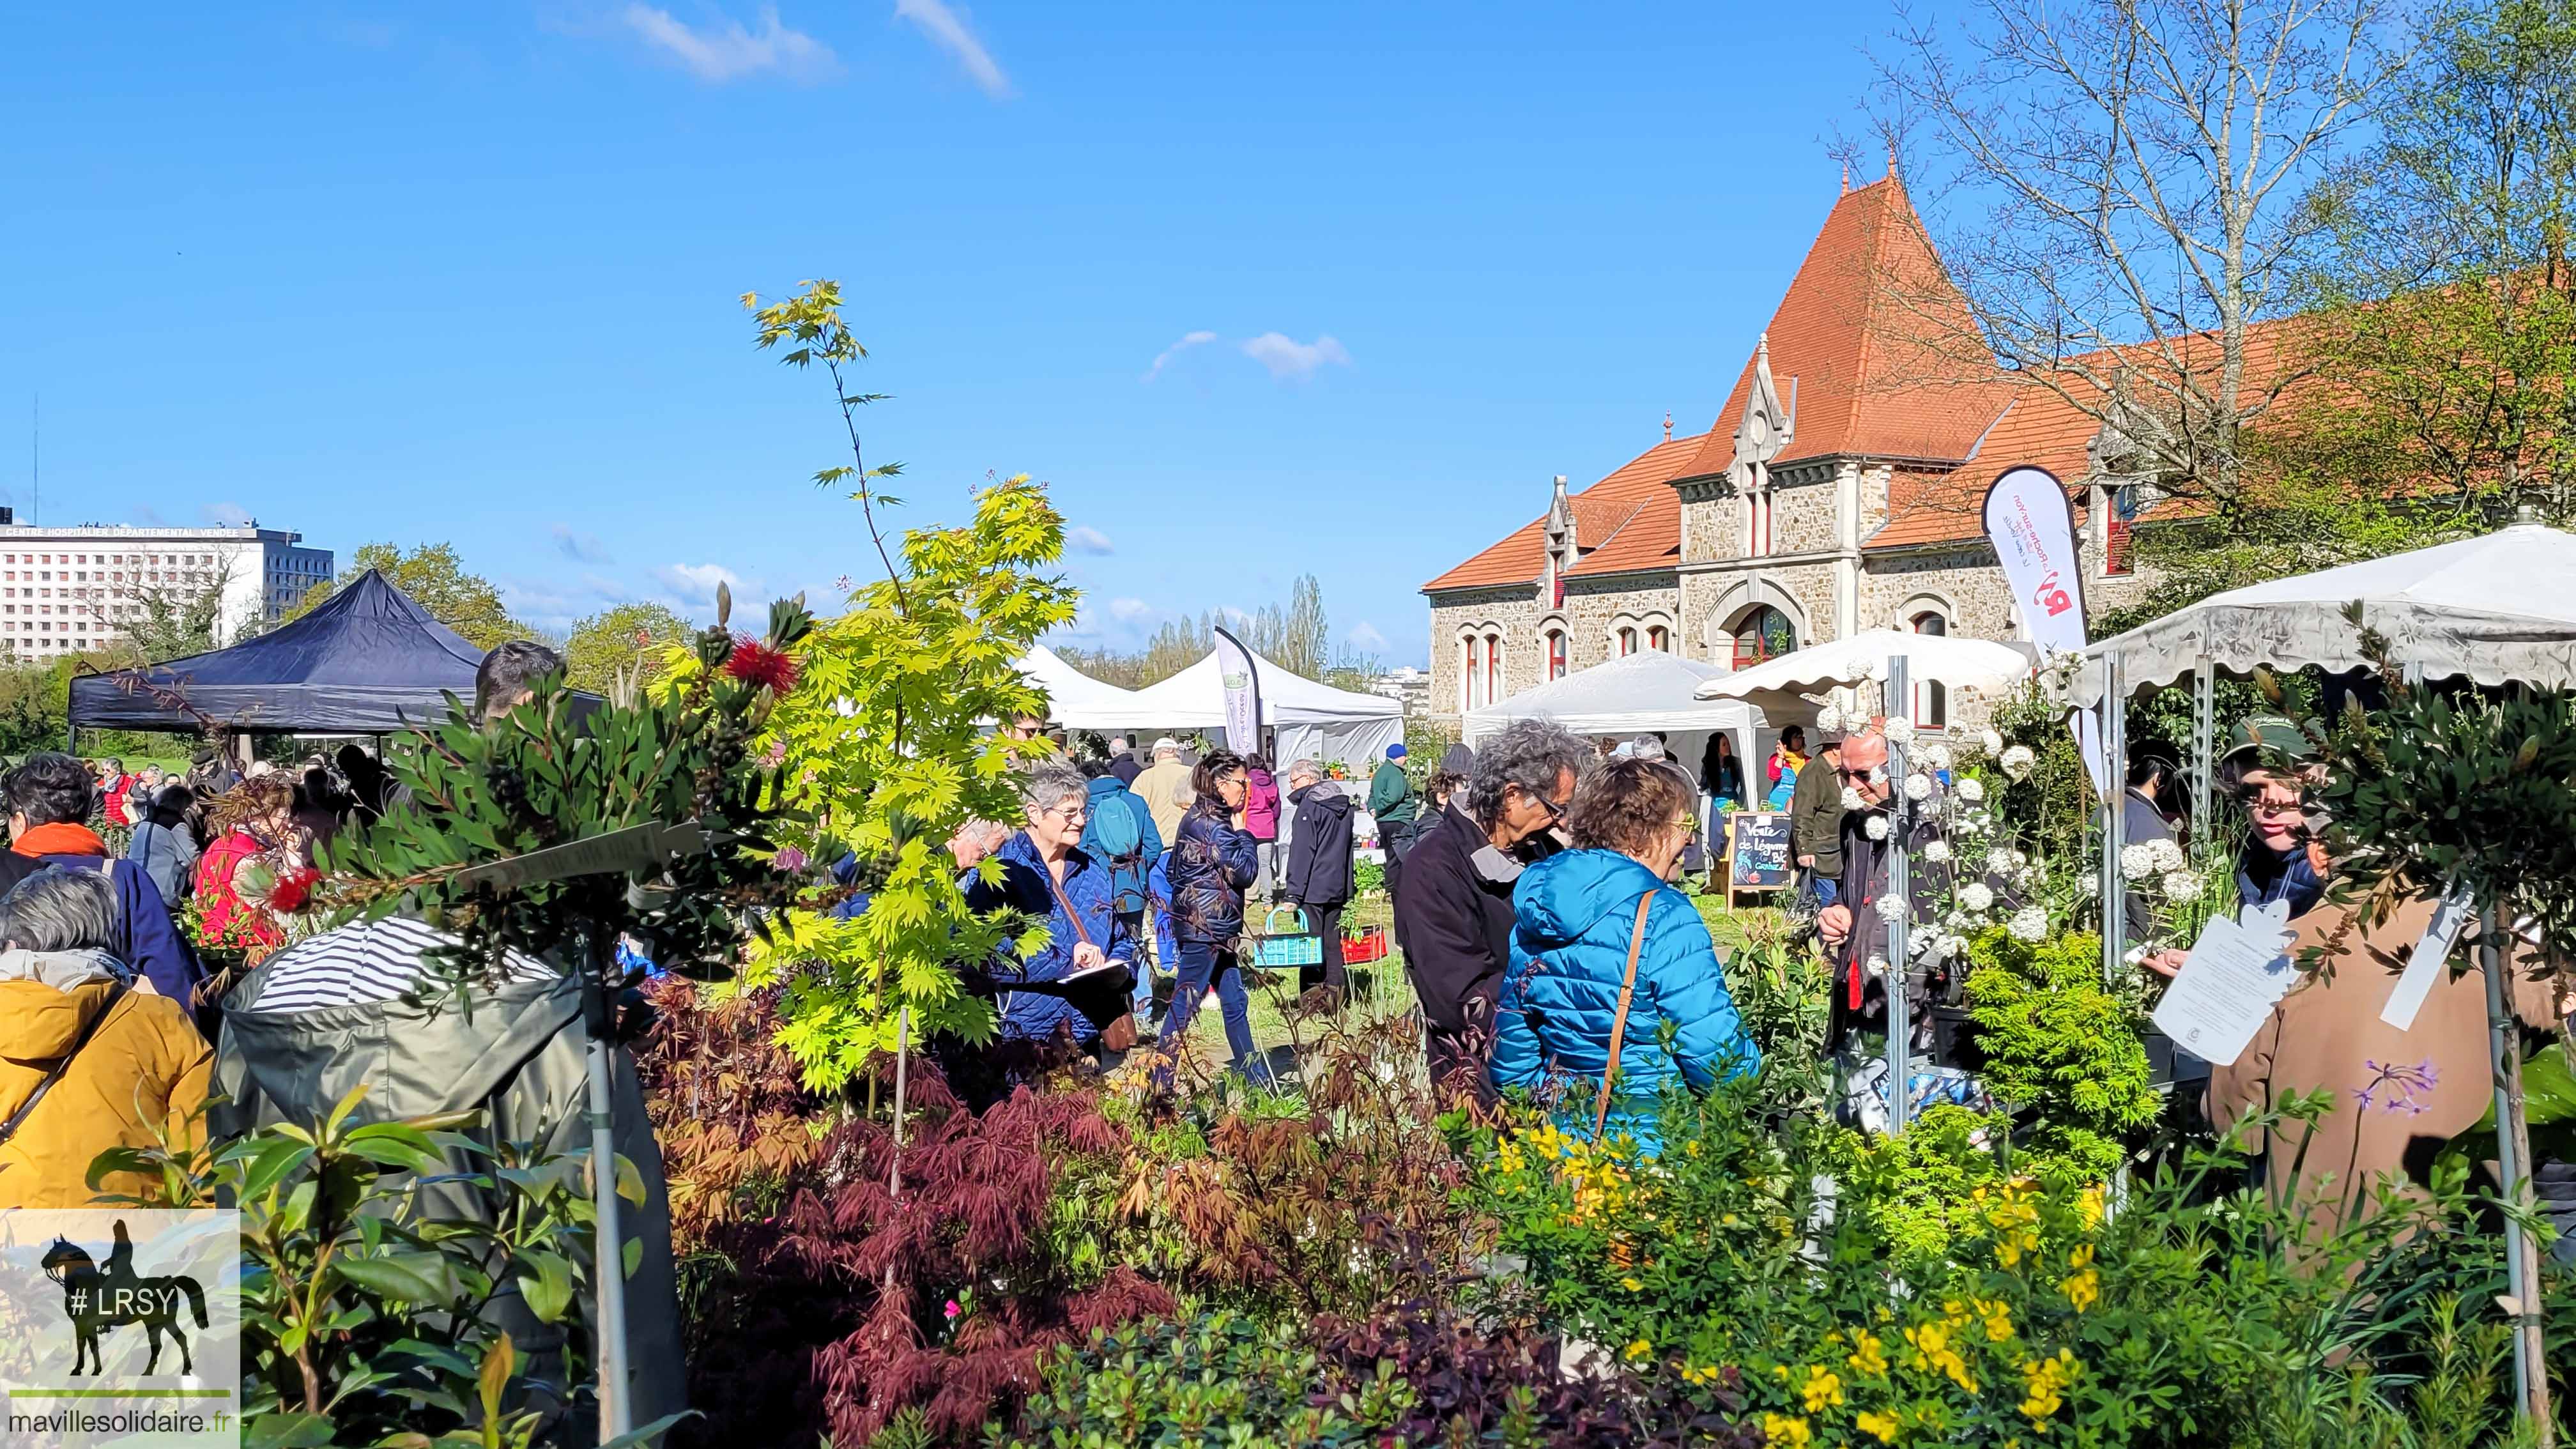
[(2268, 733)]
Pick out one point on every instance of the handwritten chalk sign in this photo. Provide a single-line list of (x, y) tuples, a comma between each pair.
[(1757, 851)]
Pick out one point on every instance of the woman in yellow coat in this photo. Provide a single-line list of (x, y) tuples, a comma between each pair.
[(90, 1057)]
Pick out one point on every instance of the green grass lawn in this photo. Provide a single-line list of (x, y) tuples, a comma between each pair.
[(1379, 990)]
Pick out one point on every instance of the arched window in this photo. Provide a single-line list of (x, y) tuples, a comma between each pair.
[(1471, 673), (1763, 634), (1556, 653), (1931, 700), (1627, 640), (1493, 668), (1659, 638)]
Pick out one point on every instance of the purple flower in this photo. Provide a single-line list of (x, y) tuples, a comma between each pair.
[(789, 859), (2407, 1087)]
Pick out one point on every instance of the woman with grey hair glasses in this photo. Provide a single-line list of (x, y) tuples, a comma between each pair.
[(1073, 988), (90, 1057)]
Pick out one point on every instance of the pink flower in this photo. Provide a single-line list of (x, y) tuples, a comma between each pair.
[(790, 859), (953, 1309)]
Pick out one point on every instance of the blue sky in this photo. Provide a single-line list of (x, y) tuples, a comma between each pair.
[(468, 273)]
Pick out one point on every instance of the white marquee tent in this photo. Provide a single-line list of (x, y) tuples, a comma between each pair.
[(1312, 720), (1643, 693), (1075, 700), (2493, 609), (1777, 685)]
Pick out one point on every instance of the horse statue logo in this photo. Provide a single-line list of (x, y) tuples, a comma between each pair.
[(96, 1298)]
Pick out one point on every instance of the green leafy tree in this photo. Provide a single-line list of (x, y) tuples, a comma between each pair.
[(2449, 302), (890, 731), (437, 581), (635, 637)]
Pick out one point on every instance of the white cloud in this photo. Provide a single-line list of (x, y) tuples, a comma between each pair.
[(1083, 538), (696, 583), (1188, 341), (947, 30), (1288, 358), (1128, 611), (723, 50), (1364, 635), (580, 547), (226, 514)]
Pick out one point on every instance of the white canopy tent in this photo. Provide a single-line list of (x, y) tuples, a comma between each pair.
[(1778, 686), (1311, 720), (1643, 693), (1075, 700), (2494, 610)]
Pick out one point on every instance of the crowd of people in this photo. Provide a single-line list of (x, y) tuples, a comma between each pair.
[(154, 996)]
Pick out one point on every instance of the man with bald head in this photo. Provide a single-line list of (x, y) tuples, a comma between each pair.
[(1855, 934)]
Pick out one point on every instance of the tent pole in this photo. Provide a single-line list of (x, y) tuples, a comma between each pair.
[(2115, 746), (2204, 730), (1900, 1008)]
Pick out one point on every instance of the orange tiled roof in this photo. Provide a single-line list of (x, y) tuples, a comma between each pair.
[(1631, 519), (1871, 329), (2044, 428)]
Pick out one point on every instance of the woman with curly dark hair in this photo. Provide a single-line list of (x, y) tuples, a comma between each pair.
[(255, 817), (1213, 861)]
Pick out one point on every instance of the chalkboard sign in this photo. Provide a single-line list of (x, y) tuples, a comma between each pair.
[(1757, 851)]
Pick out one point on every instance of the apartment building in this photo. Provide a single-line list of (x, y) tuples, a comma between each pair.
[(64, 590)]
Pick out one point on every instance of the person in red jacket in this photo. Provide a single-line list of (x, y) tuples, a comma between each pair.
[(1261, 820), (113, 783)]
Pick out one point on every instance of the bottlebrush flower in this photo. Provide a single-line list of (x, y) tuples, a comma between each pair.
[(293, 889), (761, 665)]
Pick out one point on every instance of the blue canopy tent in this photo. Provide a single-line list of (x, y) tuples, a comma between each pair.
[(368, 661)]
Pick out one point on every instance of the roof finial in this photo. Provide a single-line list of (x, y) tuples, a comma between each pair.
[(1668, 425), (1847, 176), (1891, 159)]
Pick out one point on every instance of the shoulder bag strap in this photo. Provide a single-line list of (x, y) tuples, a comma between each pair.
[(18, 1118), (1064, 905), (1619, 1021)]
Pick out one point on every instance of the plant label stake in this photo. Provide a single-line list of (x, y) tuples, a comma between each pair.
[(618, 852)]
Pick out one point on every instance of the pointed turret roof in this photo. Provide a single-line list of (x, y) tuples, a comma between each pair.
[(1872, 347)]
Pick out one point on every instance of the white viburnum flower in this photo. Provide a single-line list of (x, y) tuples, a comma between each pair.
[(1936, 851), (1977, 896), (1900, 730), (2167, 855), (2181, 885), (1936, 757), (2030, 923), (1852, 800), (1918, 787), (1891, 908), (1877, 967), (1875, 827), (1969, 790), (1829, 719), (1998, 861), (2090, 885), (1992, 743), (2137, 862), (2017, 761)]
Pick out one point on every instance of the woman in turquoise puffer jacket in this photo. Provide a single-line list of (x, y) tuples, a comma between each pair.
[(1577, 914)]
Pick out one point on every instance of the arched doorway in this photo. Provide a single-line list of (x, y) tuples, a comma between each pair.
[(1762, 633)]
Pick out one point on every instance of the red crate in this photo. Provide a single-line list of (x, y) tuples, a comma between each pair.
[(1369, 945)]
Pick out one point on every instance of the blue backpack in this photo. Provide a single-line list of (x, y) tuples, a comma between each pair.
[(1116, 830)]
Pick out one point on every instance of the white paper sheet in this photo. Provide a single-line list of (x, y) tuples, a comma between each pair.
[(2237, 972)]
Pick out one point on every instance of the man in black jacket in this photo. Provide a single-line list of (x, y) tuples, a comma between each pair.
[(1453, 907), (1318, 875)]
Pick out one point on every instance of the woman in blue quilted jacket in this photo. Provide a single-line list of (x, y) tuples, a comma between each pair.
[(1576, 925)]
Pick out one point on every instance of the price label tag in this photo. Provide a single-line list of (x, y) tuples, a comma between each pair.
[(2430, 959)]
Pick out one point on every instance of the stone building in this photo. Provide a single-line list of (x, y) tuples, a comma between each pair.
[(1838, 490)]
